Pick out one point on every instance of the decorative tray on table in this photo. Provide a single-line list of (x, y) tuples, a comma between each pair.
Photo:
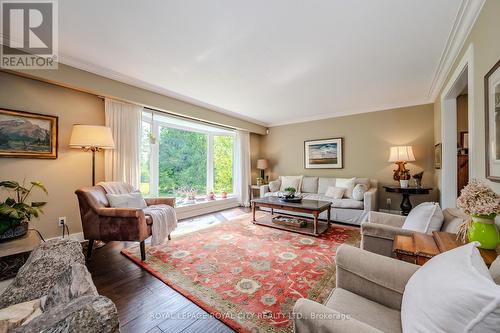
[(290, 221)]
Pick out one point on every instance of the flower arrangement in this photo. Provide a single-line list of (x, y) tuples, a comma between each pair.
[(477, 199), (483, 205)]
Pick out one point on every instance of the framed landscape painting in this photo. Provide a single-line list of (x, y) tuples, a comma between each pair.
[(492, 122), (323, 154), (27, 135)]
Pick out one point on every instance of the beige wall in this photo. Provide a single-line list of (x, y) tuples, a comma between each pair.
[(255, 154), (486, 47), (72, 168), (367, 139)]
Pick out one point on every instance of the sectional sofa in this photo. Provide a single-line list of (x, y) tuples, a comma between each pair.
[(345, 210)]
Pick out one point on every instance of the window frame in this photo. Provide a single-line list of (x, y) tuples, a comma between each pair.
[(154, 165)]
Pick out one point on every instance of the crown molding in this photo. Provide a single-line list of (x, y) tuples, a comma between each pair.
[(353, 112), (464, 21)]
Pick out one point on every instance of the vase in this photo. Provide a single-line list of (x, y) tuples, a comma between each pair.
[(404, 183), (484, 231)]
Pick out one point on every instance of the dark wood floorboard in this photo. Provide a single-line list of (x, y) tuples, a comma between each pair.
[(144, 303)]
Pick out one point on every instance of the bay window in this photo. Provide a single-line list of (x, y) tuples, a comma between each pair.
[(180, 156)]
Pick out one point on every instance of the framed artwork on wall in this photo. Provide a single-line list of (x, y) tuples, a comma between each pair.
[(323, 154), (492, 122), (27, 135), (438, 152)]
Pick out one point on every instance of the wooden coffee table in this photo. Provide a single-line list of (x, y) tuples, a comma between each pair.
[(313, 207)]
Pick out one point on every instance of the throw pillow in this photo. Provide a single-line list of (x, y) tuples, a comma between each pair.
[(358, 193), (348, 184), (495, 270), (291, 181), (452, 292), (129, 200), (274, 186), (335, 192), (426, 217)]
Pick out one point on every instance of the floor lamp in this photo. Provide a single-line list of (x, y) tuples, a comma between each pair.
[(91, 138)]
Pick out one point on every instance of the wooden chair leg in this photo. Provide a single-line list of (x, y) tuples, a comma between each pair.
[(143, 251), (89, 248)]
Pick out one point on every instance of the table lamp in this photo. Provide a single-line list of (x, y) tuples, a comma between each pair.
[(262, 165), (91, 138), (400, 155)]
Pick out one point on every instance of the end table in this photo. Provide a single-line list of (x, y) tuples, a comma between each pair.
[(406, 192), (13, 253)]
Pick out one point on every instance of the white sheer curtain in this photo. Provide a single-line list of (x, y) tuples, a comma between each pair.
[(242, 167), (122, 163)]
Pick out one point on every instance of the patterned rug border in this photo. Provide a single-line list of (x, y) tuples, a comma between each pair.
[(127, 252)]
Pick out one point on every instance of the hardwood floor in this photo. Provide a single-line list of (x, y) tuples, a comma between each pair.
[(144, 303)]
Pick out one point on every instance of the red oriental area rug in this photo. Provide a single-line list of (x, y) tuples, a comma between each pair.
[(248, 276)]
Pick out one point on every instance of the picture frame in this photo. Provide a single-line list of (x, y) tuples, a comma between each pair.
[(438, 155), (492, 122), (324, 154), (464, 140), (28, 135)]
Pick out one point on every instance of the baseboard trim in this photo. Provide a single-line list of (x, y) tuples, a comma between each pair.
[(78, 236)]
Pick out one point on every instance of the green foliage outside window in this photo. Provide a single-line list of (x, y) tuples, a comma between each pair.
[(223, 164)]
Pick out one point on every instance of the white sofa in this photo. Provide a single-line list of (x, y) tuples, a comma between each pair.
[(343, 210)]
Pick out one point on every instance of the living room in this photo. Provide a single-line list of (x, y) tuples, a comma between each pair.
[(249, 167)]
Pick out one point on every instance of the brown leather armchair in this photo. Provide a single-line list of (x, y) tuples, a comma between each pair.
[(101, 222)]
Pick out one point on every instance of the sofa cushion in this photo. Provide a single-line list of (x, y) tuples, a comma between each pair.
[(324, 183), (378, 316), (337, 203), (452, 292), (495, 270), (363, 181), (275, 185), (335, 192), (309, 185), (348, 184), (128, 200), (291, 181), (426, 217), (453, 219), (358, 193)]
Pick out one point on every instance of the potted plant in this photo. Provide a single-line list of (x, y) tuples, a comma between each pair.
[(289, 192), (404, 179), (482, 204), (15, 211)]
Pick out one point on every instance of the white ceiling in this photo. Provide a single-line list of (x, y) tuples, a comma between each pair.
[(270, 61)]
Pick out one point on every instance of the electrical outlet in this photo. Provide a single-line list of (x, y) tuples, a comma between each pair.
[(61, 221)]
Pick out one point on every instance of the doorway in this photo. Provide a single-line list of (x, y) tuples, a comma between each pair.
[(459, 85), (462, 141)]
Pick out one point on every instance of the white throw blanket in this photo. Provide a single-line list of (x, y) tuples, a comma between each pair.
[(164, 222), (163, 216)]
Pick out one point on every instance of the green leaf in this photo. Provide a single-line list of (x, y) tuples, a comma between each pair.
[(6, 210), (38, 204), (9, 184), (10, 201), (15, 214), (40, 185)]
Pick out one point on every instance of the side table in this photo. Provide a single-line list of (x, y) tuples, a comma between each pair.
[(406, 192), (251, 189), (13, 253)]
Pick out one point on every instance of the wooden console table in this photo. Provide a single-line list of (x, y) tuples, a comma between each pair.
[(419, 248), (406, 192)]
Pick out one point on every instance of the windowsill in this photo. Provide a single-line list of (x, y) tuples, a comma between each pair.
[(204, 207), (201, 200)]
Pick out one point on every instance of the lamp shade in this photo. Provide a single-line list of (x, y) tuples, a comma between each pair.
[(262, 164), (401, 154), (87, 136)]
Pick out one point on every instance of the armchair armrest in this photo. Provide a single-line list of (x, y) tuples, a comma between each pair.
[(387, 219), (370, 199), (120, 212), (310, 316), (379, 238), (263, 190), (160, 201), (375, 277)]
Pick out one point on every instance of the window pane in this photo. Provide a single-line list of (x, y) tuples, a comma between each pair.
[(145, 158), (182, 161), (223, 163)]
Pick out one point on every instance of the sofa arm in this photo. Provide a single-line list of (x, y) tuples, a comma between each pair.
[(160, 201), (120, 212), (310, 316), (370, 199), (387, 219), (379, 238), (263, 190), (375, 277)]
